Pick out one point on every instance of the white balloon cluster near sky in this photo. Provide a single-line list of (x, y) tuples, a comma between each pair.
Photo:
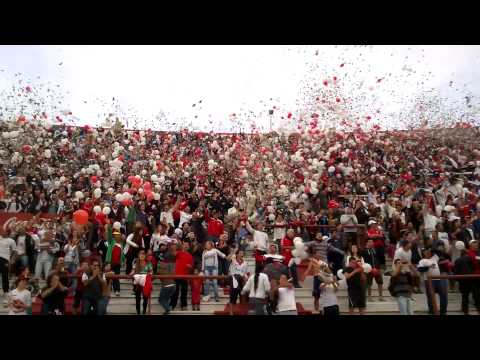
[(228, 88)]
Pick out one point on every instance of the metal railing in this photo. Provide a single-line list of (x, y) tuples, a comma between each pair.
[(431, 291), (160, 277)]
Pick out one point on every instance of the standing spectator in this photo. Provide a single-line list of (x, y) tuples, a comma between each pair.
[(258, 287), (106, 290), (72, 257), (183, 266), (428, 266), (77, 299), (134, 244), (25, 247), (356, 285), (314, 268), (464, 266), (475, 256), (215, 227), (53, 296), (115, 257), (279, 231), (93, 284), (167, 286), (284, 297), (370, 257), (140, 271), (401, 283), (223, 264), (238, 277), (328, 296), (260, 240), (196, 290), (7, 251), (20, 299), (47, 249), (349, 223), (210, 264)]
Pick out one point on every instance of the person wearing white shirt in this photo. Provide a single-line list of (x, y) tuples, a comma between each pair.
[(285, 296), (210, 268), (185, 217), (238, 275), (7, 249), (260, 239), (258, 287), (20, 299), (428, 266)]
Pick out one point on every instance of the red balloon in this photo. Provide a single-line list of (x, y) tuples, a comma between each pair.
[(26, 149), (94, 179), (131, 178), (147, 186), (100, 217), (80, 217), (149, 196), (137, 183)]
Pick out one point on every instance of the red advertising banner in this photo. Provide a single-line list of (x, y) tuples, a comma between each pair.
[(11, 220)]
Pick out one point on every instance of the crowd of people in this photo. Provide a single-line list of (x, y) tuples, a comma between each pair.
[(193, 203)]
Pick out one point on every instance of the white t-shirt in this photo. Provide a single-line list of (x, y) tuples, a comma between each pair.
[(260, 240), (432, 263), (24, 296), (7, 247), (430, 222), (167, 215), (184, 217), (286, 300), (263, 286), (328, 297), (443, 236), (21, 245), (403, 255)]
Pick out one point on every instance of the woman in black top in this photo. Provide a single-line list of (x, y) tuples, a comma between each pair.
[(223, 264), (53, 296)]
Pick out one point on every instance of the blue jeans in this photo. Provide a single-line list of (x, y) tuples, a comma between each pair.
[(404, 305), (211, 271), (102, 305), (166, 293), (439, 287)]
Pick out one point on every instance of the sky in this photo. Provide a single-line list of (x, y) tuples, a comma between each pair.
[(232, 88)]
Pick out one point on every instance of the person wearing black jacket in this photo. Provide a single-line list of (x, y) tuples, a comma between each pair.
[(464, 266), (371, 256), (25, 249)]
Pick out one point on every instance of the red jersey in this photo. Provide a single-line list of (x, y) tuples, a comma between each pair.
[(116, 255), (286, 253), (183, 260), (215, 227), (476, 263)]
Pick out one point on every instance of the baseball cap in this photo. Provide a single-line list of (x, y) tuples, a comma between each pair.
[(472, 241), (372, 222)]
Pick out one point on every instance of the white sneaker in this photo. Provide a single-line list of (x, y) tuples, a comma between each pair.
[(117, 293), (206, 298)]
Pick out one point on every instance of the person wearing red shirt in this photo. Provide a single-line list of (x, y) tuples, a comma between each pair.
[(116, 261), (77, 300), (215, 227), (183, 266), (286, 245)]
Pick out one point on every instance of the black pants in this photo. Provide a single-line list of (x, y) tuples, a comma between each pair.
[(138, 295), (293, 274), (116, 282), (468, 287), (331, 311), (182, 288), (4, 269), (132, 254), (235, 293)]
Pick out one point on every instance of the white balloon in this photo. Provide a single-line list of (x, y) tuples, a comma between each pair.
[(140, 191), (97, 209), (144, 172), (340, 274), (156, 196), (154, 178), (367, 268), (97, 193), (119, 197), (103, 158), (117, 225), (79, 195), (314, 191), (99, 173), (111, 190), (106, 210)]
